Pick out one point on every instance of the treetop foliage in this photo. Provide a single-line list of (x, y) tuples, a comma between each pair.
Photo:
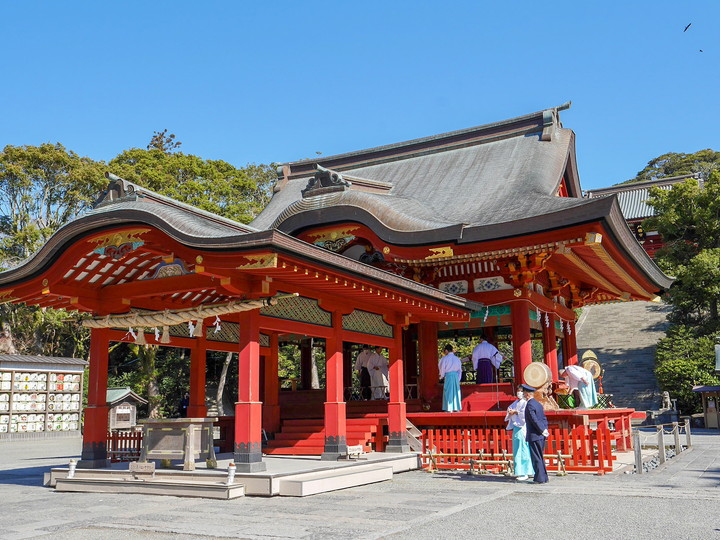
[(41, 188), (163, 142), (702, 162)]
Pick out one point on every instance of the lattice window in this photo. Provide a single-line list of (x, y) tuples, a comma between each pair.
[(298, 308), (367, 323)]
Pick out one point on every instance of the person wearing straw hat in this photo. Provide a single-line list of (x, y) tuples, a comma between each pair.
[(581, 384), (450, 368), (515, 419), (537, 432)]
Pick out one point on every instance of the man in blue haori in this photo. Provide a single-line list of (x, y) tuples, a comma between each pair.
[(537, 432)]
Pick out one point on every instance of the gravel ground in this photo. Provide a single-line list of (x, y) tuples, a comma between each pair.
[(678, 500)]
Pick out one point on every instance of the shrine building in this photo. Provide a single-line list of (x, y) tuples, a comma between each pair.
[(483, 230)]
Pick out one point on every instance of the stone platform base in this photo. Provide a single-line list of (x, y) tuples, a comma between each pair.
[(286, 476), (205, 490)]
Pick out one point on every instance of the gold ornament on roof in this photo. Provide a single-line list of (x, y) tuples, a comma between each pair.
[(440, 253), (118, 238)]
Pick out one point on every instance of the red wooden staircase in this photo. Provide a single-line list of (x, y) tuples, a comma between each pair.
[(307, 436)]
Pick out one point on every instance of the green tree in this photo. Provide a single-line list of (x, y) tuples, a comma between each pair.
[(212, 185), (683, 360), (41, 188), (702, 162), (688, 218)]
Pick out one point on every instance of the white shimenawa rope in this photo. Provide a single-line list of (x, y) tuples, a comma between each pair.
[(174, 317)]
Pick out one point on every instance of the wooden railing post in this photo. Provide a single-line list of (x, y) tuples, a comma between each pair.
[(688, 438), (661, 443), (676, 435), (638, 452)]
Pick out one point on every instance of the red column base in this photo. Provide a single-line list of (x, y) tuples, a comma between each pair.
[(94, 448), (248, 437), (335, 430), (397, 428)]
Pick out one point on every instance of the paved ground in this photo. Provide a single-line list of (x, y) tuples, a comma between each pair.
[(676, 502)]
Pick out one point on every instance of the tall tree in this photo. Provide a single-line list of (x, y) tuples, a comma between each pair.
[(163, 142), (41, 188), (688, 218)]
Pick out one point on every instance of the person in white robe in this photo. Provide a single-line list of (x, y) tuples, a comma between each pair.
[(378, 368), (515, 419), (485, 357), (361, 366), (450, 367), (581, 384)]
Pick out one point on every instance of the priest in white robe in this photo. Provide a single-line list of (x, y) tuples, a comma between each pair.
[(378, 368), (486, 360), (450, 367), (581, 384)]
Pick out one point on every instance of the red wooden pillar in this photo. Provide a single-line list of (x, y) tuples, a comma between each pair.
[(397, 409), (248, 409), (271, 407), (522, 346), (94, 448), (335, 413), (429, 372), (550, 346), (570, 340), (198, 363)]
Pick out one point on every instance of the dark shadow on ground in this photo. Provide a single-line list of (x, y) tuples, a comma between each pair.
[(29, 476)]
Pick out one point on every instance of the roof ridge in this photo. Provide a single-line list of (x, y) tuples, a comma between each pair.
[(639, 185), (121, 190), (539, 116)]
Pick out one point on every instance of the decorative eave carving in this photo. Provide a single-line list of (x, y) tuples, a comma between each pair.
[(325, 181), (119, 189)]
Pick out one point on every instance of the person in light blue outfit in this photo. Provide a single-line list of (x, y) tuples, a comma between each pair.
[(515, 419), (582, 385), (450, 367)]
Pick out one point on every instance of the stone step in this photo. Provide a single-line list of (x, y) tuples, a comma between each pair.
[(206, 490), (311, 483)]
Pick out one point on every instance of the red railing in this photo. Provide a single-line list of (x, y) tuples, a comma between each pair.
[(124, 445), (590, 449)]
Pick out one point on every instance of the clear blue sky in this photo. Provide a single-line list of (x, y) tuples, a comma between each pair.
[(282, 80)]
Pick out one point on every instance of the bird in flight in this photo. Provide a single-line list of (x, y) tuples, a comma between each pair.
[(688, 26)]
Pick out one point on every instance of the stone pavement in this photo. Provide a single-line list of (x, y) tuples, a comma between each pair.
[(624, 337), (677, 501)]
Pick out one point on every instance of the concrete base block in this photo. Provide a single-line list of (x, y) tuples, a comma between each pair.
[(302, 485)]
